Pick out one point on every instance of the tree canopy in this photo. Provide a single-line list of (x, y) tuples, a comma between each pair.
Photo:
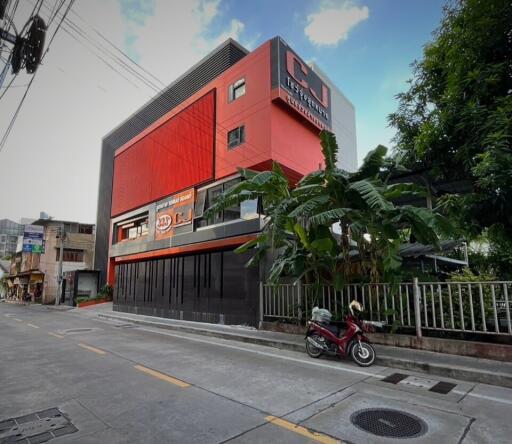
[(456, 118)]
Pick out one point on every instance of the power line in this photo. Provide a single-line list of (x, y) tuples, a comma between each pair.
[(8, 86), (15, 116), (13, 120), (147, 82)]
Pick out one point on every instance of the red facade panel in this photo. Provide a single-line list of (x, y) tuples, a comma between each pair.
[(176, 155)]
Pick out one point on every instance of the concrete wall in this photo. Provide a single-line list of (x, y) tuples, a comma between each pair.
[(49, 264)]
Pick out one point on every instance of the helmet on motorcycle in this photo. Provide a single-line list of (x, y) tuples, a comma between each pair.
[(356, 309)]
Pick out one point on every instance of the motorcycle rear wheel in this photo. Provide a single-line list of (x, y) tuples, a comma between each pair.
[(313, 351), (363, 354)]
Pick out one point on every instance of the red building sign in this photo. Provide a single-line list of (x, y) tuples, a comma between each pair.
[(300, 87), (174, 212)]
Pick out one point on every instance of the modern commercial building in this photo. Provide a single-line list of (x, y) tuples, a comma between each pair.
[(9, 232), (163, 166)]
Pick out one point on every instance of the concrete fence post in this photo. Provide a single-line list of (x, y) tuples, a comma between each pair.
[(417, 311), (262, 289)]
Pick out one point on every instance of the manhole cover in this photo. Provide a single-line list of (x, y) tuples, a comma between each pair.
[(36, 427), (124, 326), (389, 423)]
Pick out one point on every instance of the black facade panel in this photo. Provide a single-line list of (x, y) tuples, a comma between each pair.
[(207, 287), (274, 62), (207, 70)]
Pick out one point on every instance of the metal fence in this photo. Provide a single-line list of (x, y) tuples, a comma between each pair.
[(479, 307)]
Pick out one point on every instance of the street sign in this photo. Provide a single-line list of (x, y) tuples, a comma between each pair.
[(33, 239)]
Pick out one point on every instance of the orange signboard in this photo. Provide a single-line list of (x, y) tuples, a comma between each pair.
[(176, 211)]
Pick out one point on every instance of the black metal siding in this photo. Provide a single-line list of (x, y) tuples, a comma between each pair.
[(205, 287), (210, 68)]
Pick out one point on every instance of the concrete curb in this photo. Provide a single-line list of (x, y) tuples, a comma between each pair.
[(449, 371)]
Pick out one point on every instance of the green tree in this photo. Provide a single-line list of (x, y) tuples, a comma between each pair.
[(372, 225), (456, 118), (298, 230)]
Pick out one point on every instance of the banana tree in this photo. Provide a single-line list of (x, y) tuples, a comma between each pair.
[(296, 251), (298, 228), (371, 225)]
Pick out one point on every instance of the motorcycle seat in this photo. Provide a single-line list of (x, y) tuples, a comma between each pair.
[(332, 328)]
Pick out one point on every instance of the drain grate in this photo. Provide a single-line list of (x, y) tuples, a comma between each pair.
[(36, 427), (395, 378), (443, 387), (389, 423)]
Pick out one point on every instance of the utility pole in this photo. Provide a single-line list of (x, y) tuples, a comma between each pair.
[(61, 255)]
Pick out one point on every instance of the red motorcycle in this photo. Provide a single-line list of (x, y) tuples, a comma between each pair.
[(323, 337)]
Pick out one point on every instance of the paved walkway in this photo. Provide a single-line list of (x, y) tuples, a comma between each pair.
[(441, 364)]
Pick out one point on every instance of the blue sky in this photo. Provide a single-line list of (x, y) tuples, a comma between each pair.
[(365, 46), (370, 65)]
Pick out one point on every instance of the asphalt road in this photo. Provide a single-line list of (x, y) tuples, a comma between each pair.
[(119, 383)]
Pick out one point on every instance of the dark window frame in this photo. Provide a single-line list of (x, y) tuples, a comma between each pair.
[(240, 136), (235, 212), (235, 87), (85, 229), (122, 228), (70, 255)]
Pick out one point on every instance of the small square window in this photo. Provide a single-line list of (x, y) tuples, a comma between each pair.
[(236, 90), (236, 137)]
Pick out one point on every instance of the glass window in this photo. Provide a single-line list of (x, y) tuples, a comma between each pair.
[(71, 255), (85, 229), (212, 195), (236, 137), (236, 90), (246, 210), (249, 209), (132, 228)]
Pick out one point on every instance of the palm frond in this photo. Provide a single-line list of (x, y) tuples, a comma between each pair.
[(371, 194), (330, 216), (399, 190), (372, 164), (329, 149), (310, 206)]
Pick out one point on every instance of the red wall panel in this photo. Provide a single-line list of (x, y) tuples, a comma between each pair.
[(295, 143), (176, 155)]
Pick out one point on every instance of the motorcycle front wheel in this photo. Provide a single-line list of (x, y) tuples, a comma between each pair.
[(313, 351), (363, 354)]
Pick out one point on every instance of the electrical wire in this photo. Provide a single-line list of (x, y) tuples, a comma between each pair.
[(16, 113), (156, 89), (149, 83), (15, 86), (8, 86)]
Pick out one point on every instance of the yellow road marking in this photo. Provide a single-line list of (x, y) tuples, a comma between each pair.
[(16, 319), (32, 325), (315, 436), (162, 376), (93, 349), (55, 334)]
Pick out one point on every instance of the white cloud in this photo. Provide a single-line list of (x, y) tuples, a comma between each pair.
[(332, 22), (178, 34), (51, 160)]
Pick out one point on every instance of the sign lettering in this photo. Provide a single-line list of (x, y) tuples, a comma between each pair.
[(176, 211), (299, 86)]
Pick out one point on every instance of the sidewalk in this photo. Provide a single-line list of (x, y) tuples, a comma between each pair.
[(440, 364)]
